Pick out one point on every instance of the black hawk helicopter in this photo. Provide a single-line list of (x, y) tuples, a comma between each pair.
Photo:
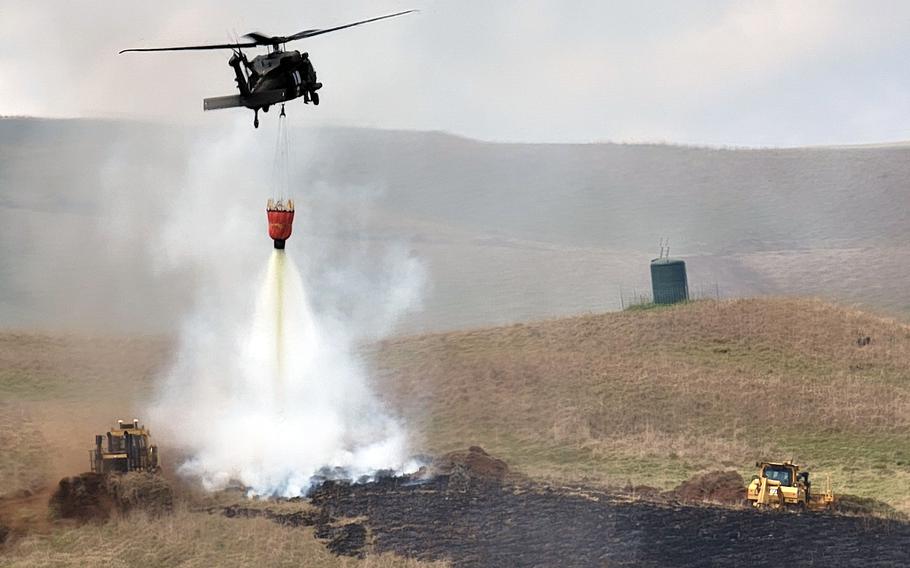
[(269, 79)]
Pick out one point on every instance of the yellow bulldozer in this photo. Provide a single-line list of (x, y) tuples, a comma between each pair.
[(123, 449), (781, 485)]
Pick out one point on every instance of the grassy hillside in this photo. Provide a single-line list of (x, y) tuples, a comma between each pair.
[(89, 211), (654, 396), (648, 397)]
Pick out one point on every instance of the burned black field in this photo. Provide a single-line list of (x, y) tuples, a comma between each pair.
[(492, 524)]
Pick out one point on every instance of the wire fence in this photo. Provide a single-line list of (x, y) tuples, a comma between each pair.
[(643, 297)]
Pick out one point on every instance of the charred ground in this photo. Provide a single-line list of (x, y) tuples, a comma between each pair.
[(487, 523)]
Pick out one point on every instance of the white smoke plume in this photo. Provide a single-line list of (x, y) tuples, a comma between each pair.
[(267, 388)]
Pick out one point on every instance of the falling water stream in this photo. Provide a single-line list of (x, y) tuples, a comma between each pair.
[(277, 395)]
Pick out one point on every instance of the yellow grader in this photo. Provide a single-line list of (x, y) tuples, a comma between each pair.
[(781, 485), (123, 449)]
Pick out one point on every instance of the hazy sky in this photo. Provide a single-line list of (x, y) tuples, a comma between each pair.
[(765, 73)]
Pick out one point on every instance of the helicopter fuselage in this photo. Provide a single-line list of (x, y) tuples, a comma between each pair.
[(277, 77), (282, 70)]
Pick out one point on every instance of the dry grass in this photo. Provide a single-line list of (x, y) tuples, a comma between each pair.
[(24, 466), (71, 367), (185, 539), (654, 396)]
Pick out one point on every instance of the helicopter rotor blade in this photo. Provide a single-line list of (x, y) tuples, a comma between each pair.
[(262, 39), (311, 33), (194, 47)]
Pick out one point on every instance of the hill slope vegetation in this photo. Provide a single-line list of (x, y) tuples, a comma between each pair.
[(648, 397), (95, 204), (651, 397)]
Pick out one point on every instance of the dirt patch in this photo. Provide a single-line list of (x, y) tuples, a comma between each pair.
[(474, 463), (854, 505), (725, 487), (82, 497), (25, 512), (94, 497)]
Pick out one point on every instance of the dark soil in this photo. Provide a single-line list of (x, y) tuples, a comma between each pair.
[(83, 497), (94, 497), (486, 523), (726, 487), (473, 462), (851, 504)]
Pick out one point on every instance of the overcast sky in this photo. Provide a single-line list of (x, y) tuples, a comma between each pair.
[(765, 73)]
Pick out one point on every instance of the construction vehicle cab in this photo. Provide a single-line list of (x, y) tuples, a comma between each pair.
[(782, 484), (123, 449)]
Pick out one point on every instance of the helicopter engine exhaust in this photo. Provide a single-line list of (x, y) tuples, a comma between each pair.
[(281, 219)]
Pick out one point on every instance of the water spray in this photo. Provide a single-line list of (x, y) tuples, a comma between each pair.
[(277, 386)]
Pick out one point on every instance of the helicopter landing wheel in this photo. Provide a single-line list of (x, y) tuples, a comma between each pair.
[(315, 97), (256, 118)]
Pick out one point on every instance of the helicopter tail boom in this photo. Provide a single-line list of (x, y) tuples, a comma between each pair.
[(254, 101)]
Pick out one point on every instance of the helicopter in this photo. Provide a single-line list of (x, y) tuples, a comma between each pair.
[(273, 78)]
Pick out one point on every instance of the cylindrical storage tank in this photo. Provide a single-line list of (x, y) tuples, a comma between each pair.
[(668, 281)]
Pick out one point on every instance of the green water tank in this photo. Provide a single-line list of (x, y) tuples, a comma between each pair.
[(668, 281)]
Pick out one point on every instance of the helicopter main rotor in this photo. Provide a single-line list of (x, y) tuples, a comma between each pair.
[(259, 39)]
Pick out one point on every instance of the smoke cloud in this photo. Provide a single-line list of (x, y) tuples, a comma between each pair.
[(267, 388)]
